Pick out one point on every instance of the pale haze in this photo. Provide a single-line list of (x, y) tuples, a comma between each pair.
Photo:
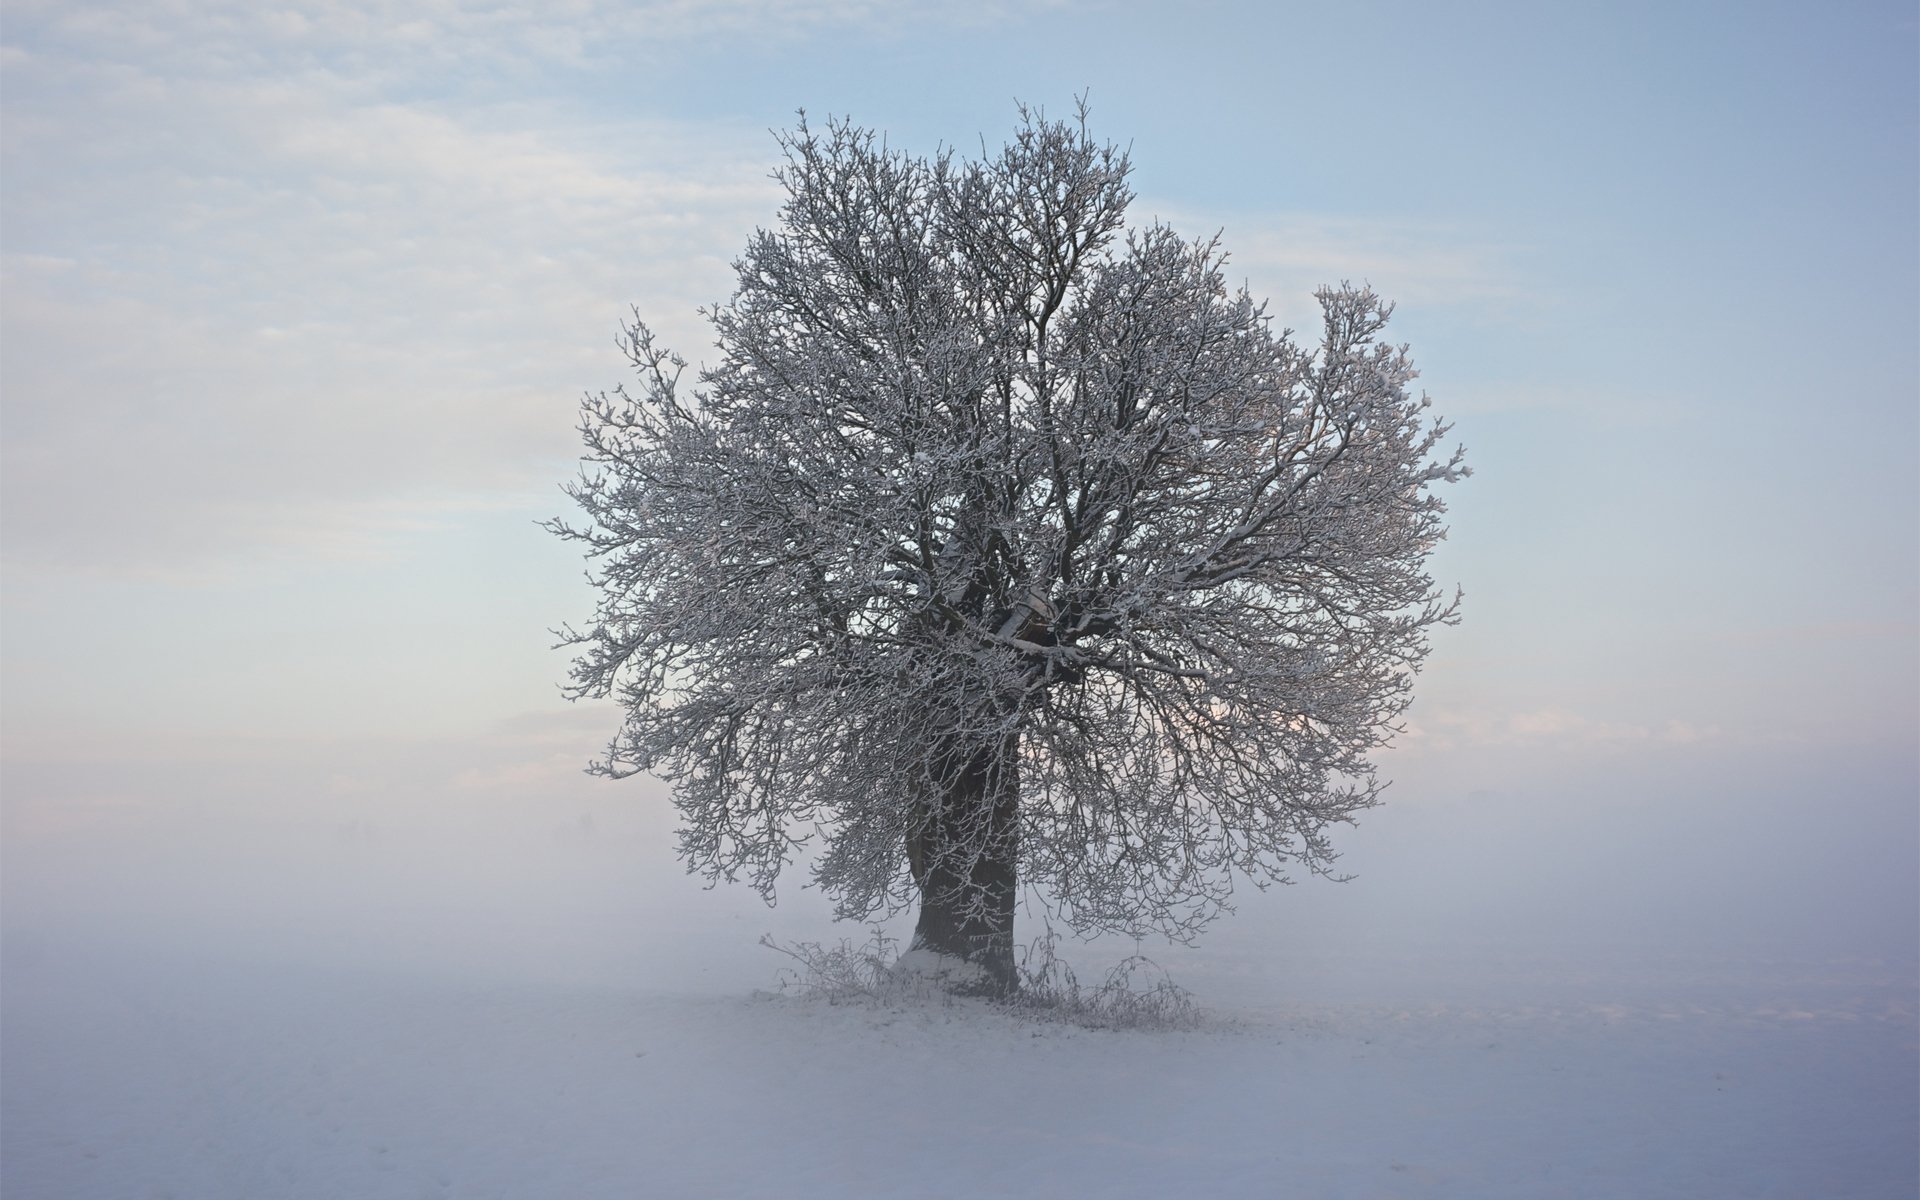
[(305, 892)]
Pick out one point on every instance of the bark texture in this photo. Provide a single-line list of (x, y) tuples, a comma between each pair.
[(963, 851)]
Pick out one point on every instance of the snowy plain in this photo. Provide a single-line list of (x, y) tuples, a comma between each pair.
[(494, 993)]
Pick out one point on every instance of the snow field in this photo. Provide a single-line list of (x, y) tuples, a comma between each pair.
[(133, 1074)]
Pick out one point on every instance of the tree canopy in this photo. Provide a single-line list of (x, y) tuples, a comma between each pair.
[(1002, 544)]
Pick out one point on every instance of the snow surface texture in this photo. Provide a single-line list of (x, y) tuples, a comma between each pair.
[(521, 1004)]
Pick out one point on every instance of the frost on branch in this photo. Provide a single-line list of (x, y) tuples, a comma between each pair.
[(1002, 545)]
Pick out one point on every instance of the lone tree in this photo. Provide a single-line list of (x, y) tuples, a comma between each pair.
[(1005, 545)]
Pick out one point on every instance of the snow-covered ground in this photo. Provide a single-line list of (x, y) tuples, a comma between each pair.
[(524, 1005)]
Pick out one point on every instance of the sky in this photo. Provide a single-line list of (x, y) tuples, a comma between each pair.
[(299, 303)]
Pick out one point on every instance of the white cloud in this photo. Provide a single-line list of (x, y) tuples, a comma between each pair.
[(375, 39), (254, 316), (1285, 256), (1549, 728)]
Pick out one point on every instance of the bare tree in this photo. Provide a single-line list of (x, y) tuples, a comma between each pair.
[(1005, 545)]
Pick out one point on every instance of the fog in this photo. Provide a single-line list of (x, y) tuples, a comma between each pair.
[(499, 860)]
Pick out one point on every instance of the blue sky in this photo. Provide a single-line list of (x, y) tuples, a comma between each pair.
[(299, 302)]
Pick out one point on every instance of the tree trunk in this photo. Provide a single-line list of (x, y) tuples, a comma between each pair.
[(963, 853)]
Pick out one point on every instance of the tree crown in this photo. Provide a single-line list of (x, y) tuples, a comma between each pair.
[(981, 473)]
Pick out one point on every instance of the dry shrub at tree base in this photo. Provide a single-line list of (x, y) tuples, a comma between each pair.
[(1135, 994)]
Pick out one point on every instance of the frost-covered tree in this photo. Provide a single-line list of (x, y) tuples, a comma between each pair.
[(1005, 545)]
